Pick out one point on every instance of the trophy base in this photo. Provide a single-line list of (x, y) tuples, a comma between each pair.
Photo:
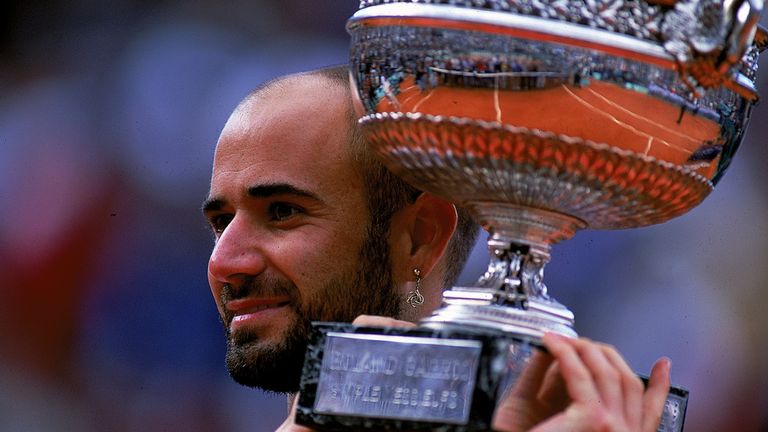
[(446, 379)]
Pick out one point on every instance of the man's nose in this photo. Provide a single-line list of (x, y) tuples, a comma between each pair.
[(237, 252)]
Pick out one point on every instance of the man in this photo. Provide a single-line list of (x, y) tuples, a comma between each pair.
[(309, 227)]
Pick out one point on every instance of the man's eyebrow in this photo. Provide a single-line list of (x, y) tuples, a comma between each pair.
[(261, 191), (269, 190), (212, 204)]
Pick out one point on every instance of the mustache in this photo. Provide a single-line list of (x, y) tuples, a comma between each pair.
[(259, 286)]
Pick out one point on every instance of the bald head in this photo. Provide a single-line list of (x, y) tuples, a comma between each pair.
[(290, 214), (323, 89), (336, 77), (309, 226)]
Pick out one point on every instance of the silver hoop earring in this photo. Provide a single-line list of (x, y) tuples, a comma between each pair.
[(414, 297)]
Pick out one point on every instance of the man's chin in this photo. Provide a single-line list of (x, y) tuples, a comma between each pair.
[(274, 367)]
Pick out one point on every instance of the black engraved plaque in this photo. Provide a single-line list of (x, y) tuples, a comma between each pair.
[(398, 377), (359, 378)]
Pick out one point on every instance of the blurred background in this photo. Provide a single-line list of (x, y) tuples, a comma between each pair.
[(109, 113)]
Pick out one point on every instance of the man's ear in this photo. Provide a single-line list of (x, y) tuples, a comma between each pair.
[(420, 233)]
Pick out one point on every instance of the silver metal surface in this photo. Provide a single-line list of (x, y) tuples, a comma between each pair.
[(398, 377), (533, 22), (707, 39)]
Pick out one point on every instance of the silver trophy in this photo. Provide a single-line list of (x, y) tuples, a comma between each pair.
[(541, 117)]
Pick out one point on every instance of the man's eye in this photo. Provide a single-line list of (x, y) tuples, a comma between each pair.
[(283, 211), (219, 223)]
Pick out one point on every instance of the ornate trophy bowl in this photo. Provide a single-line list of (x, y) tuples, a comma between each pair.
[(542, 118)]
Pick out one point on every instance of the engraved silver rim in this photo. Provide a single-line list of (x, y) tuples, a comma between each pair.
[(534, 28), (573, 33)]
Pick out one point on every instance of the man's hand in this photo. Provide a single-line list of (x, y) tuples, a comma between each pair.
[(380, 321), (583, 386), (579, 386)]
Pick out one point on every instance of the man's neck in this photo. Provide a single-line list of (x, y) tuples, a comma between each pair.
[(291, 398), (288, 425)]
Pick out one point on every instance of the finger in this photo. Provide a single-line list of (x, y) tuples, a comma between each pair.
[(606, 376), (578, 379), (517, 409), (632, 388), (553, 391), (528, 384), (656, 394), (380, 321)]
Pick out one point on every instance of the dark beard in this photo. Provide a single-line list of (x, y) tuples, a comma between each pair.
[(278, 367), (275, 368)]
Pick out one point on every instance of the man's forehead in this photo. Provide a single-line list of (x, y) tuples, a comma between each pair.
[(298, 133), (298, 91), (298, 108)]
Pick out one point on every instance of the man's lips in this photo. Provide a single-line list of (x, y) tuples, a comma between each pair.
[(246, 305), (252, 309)]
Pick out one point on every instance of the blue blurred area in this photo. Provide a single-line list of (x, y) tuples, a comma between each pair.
[(109, 114)]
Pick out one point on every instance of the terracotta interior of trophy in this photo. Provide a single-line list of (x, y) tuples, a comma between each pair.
[(600, 112)]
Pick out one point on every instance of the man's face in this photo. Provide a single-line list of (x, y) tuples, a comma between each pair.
[(293, 242)]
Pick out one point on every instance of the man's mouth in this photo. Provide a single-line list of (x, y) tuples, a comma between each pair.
[(255, 310), (262, 307)]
